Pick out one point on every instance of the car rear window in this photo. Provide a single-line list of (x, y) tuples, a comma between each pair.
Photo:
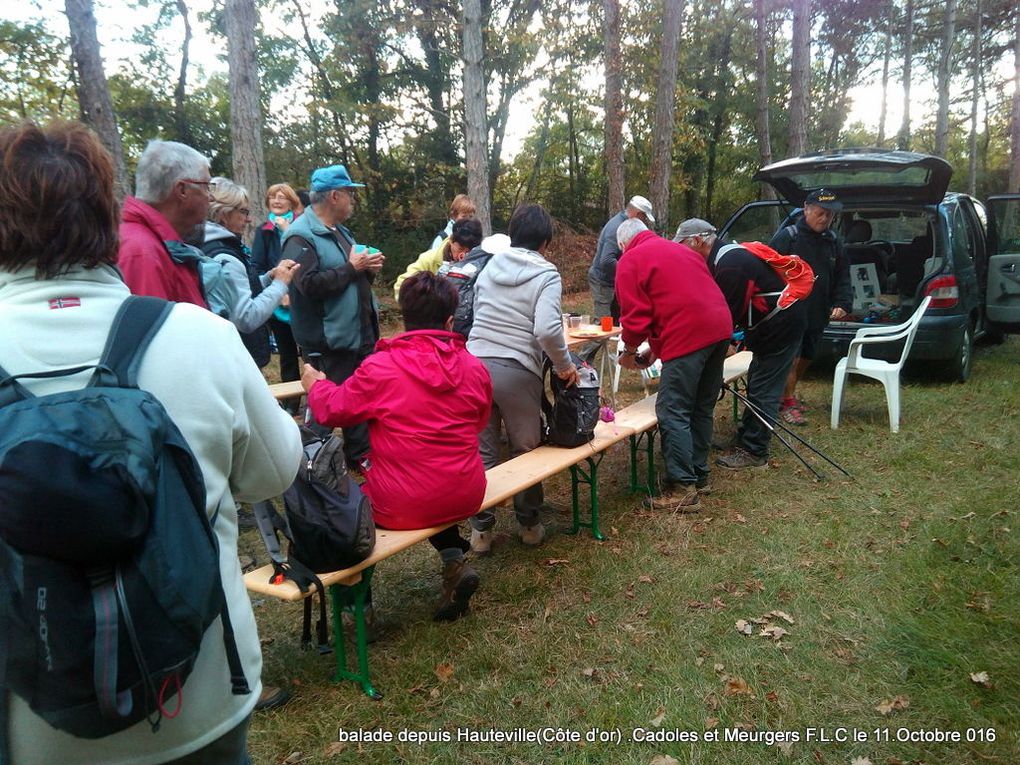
[(900, 227), (848, 177)]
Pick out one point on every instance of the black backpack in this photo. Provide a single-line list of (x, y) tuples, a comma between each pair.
[(464, 274), (570, 418), (328, 522), (109, 567)]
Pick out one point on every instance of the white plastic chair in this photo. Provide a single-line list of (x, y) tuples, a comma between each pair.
[(885, 372)]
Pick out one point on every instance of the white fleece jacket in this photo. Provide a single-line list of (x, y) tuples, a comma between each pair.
[(248, 448)]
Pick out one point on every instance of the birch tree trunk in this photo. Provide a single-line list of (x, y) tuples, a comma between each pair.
[(800, 77), (886, 55), (976, 85), (903, 139), (93, 91), (248, 161), (475, 131), (762, 92), (665, 101), (942, 80), (1014, 155), (614, 109)]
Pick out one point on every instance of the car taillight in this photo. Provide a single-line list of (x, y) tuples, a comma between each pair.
[(944, 292)]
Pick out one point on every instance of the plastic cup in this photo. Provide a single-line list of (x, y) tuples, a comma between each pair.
[(607, 323), (585, 320), (575, 322)]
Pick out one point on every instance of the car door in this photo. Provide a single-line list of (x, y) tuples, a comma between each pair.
[(1003, 281), (756, 222)]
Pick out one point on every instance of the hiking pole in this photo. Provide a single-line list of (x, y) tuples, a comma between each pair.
[(762, 415), (777, 434)]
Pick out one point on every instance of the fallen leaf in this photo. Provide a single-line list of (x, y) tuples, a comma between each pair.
[(664, 759), (335, 748), (711, 722), (981, 678), (444, 671), (712, 701), (783, 615), (786, 747), (555, 561), (589, 672), (718, 603), (744, 627), (754, 585), (718, 667), (659, 717), (645, 579), (740, 518), (292, 758), (699, 661), (772, 696), (586, 596), (888, 706), (860, 761), (737, 686), (776, 633), (591, 619), (818, 756), (434, 693)]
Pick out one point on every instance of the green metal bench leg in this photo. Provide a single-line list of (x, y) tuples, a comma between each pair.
[(648, 437), (352, 596), (577, 477)]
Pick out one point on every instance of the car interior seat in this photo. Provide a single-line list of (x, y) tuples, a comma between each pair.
[(858, 234), (910, 263)]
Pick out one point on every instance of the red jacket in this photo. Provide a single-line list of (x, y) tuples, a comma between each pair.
[(668, 297), (425, 399), (144, 260)]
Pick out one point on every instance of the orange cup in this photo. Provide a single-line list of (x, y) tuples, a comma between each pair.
[(607, 323)]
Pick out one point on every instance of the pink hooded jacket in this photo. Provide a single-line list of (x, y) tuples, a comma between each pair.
[(425, 399)]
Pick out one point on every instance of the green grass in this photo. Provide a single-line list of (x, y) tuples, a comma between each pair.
[(901, 582)]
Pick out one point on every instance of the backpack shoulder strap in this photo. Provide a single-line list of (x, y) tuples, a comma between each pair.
[(134, 326), (726, 248)]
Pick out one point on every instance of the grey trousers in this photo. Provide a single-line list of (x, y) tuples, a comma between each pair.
[(688, 390), (604, 300), (517, 404)]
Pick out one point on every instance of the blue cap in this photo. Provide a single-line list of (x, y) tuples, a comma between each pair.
[(333, 177)]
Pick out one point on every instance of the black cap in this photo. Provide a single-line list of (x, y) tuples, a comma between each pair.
[(824, 198)]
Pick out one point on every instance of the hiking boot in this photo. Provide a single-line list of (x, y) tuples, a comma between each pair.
[(791, 411), (481, 541), (680, 498), (347, 617), (740, 459), (459, 583), (272, 698), (532, 536), (703, 486)]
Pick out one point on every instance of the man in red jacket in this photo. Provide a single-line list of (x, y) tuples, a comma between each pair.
[(170, 203), (668, 297)]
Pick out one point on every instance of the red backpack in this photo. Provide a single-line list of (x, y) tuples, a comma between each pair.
[(792, 269)]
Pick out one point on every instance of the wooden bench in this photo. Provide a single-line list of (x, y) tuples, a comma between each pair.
[(640, 417), (286, 389), (349, 588)]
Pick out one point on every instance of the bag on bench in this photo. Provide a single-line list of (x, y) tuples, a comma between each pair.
[(328, 522), (570, 418)]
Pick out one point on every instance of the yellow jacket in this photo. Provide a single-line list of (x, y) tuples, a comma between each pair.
[(430, 260)]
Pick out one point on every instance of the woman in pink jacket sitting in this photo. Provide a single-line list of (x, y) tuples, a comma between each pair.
[(425, 400)]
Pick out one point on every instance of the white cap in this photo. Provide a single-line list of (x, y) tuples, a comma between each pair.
[(643, 205)]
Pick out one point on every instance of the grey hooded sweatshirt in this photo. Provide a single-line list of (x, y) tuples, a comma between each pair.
[(517, 311)]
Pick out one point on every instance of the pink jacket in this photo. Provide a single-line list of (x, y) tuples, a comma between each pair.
[(144, 260), (425, 399)]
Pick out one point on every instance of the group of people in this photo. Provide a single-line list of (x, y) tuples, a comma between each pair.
[(424, 413), (686, 297)]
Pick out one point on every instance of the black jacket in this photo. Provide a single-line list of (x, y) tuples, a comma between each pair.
[(825, 254)]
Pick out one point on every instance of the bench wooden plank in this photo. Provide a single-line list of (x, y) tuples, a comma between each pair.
[(286, 389), (736, 366)]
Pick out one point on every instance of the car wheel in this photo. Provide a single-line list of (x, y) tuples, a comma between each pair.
[(959, 365)]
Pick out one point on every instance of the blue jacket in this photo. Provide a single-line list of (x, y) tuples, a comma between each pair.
[(331, 303)]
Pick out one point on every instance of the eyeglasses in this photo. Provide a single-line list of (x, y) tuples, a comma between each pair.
[(207, 185), (244, 211)]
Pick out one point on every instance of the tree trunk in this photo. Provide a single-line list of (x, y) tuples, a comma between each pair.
[(943, 80), (665, 101), (248, 161), (762, 92), (182, 128), (976, 85), (886, 55), (614, 108), (903, 139), (93, 92), (1014, 157), (800, 77), (475, 132)]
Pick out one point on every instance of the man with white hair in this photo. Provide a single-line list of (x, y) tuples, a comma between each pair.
[(668, 297), (168, 209), (602, 274)]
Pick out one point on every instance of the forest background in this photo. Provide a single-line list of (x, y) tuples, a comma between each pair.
[(576, 105)]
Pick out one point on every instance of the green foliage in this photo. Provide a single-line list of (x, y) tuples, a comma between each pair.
[(36, 76)]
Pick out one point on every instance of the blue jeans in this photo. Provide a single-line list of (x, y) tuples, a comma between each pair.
[(766, 378), (688, 390)]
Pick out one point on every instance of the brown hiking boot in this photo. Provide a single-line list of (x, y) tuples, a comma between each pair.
[(459, 583), (681, 498), (741, 459)]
